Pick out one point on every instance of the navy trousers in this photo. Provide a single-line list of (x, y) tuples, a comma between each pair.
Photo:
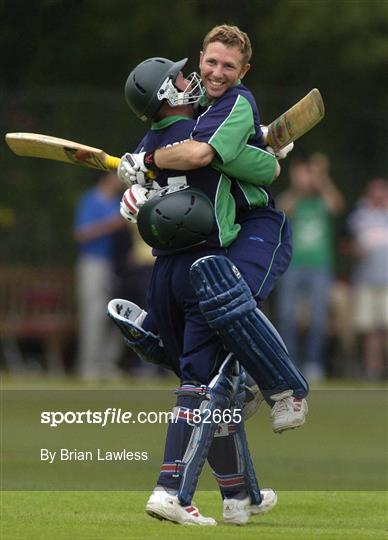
[(261, 252)]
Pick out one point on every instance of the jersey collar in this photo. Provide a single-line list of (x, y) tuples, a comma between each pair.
[(204, 102), (168, 121)]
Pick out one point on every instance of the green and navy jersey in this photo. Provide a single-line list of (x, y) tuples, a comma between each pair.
[(216, 184), (231, 125)]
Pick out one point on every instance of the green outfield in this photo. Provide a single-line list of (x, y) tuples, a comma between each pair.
[(331, 476), (120, 515)]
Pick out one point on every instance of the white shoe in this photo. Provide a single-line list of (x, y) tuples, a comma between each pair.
[(238, 511), (288, 412), (162, 505)]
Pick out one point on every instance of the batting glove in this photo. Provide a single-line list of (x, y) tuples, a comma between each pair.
[(133, 199), (137, 168), (283, 152)]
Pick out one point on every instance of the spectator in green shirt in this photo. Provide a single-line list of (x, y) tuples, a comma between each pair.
[(311, 202)]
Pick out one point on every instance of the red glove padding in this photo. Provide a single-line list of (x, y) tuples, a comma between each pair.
[(133, 198)]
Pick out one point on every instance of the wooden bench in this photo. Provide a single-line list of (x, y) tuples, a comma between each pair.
[(36, 303)]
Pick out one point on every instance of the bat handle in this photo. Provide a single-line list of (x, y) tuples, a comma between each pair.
[(112, 162)]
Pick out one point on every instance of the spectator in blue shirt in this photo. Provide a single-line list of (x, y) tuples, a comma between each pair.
[(97, 221)]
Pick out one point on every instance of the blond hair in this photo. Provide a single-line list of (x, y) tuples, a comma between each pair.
[(230, 36)]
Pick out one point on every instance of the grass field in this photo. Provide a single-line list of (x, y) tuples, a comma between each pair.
[(330, 476), (120, 515)]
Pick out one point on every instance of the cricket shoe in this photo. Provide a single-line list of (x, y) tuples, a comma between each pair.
[(161, 505), (288, 412), (238, 511)]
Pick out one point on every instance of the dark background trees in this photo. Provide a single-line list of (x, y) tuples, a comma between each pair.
[(64, 64)]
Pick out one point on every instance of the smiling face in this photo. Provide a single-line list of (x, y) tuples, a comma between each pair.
[(221, 67)]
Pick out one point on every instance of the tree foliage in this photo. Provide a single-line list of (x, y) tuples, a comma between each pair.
[(65, 62)]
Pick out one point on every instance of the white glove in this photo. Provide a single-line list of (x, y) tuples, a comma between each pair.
[(133, 198), (132, 169), (264, 130), (282, 153)]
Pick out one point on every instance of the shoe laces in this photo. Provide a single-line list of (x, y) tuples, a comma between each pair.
[(283, 405)]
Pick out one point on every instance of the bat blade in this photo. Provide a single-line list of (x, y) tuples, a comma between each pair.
[(295, 122), (47, 147)]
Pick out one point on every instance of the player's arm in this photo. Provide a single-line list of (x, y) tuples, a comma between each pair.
[(221, 137), (222, 142), (221, 131), (235, 156), (185, 156), (143, 167), (252, 165)]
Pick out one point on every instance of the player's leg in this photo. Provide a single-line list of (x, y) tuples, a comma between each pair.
[(140, 333), (171, 295), (232, 466), (164, 502), (229, 458), (189, 437), (231, 310), (185, 451), (188, 440)]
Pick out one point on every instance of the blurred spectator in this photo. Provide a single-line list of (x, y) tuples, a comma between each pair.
[(97, 221), (310, 202), (368, 226)]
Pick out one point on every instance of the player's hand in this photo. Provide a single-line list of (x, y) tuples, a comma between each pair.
[(133, 198), (281, 154), (131, 169), (137, 168)]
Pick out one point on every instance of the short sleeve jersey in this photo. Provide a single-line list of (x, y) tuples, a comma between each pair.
[(231, 125)]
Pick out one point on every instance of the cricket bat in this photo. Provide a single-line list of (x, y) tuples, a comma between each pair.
[(47, 147), (291, 125), (295, 122)]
